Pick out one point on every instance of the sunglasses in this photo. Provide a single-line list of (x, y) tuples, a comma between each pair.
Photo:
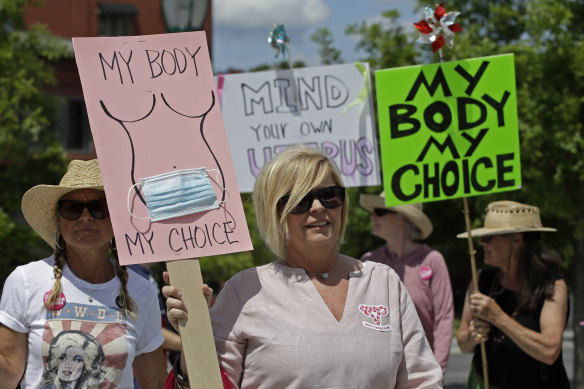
[(486, 239), (379, 212), (72, 209), (329, 197)]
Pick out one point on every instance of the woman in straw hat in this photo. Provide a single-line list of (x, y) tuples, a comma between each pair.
[(521, 308), (313, 318), (81, 287), (422, 269)]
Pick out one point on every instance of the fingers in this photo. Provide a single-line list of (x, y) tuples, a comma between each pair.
[(479, 330), (208, 292), (166, 277)]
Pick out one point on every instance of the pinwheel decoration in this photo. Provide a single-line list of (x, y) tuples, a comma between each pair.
[(278, 39), (438, 27)]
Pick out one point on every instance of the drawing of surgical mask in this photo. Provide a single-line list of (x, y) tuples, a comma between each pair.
[(177, 193)]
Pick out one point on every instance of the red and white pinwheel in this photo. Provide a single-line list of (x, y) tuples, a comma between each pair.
[(438, 27)]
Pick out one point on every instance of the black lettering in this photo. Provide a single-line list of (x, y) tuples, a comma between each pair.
[(502, 170), (153, 61), (214, 237), (438, 107), (189, 238), (448, 144), (396, 183), (474, 142), (396, 118), (227, 233), (498, 106), (463, 122), (174, 230), (439, 80), (475, 182), (134, 242), (197, 228), (194, 59), (433, 181), (472, 80), (452, 168)]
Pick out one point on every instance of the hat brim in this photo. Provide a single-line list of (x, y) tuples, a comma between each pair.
[(416, 217), (370, 202), (478, 232), (39, 207)]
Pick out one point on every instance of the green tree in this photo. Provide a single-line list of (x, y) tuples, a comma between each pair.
[(29, 151), (329, 55)]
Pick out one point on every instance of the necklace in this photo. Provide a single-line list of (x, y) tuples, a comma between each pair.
[(91, 291), (324, 275)]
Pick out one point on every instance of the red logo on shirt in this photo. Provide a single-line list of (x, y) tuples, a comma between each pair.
[(375, 312)]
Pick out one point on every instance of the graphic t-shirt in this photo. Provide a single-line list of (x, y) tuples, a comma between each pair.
[(88, 341)]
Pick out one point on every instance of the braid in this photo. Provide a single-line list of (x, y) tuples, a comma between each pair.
[(57, 269), (125, 300)]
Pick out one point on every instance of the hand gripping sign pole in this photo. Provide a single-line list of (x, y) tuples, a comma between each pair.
[(475, 284), (196, 334)]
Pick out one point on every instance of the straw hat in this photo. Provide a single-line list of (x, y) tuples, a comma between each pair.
[(413, 212), (508, 217), (39, 203)]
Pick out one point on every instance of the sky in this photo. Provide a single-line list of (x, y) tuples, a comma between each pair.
[(241, 28)]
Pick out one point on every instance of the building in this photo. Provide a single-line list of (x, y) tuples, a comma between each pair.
[(92, 18)]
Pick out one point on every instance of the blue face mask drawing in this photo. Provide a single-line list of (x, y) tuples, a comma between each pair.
[(177, 193)]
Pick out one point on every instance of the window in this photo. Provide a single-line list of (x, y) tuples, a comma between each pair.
[(73, 126), (116, 19)]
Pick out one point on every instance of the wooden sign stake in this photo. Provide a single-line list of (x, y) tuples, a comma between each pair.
[(475, 283), (196, 332)]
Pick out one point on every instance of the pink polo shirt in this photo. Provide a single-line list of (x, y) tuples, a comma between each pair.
[(273, 330), (425, 275)]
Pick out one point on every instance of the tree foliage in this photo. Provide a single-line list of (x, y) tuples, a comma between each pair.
[(29, 151)]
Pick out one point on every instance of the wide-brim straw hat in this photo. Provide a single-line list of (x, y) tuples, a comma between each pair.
[(39, 203), (413, 212), (509, 217)]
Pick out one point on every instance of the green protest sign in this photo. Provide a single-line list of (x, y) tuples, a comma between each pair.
[(448, 130)]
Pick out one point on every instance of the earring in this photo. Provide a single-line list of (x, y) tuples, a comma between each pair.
[(57, 233)]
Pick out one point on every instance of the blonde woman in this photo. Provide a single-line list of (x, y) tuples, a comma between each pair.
[(313, 317), (81, 287)]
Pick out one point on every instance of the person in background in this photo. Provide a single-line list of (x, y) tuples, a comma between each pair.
[(421, 269), (313, 318), (81, 287), (521, 308)]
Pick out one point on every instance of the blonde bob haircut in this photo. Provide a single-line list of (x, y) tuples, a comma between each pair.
[(295, 171)]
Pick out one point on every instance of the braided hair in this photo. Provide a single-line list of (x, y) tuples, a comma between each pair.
[(57, 270), (124, 301)]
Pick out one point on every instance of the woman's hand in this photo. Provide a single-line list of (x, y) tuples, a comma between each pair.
[(484, 307), (479, 330), (176, 309)]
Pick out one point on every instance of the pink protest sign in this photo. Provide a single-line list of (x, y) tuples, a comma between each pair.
[(161, 145)]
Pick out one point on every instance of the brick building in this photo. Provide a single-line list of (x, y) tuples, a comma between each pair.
[(90, 18)]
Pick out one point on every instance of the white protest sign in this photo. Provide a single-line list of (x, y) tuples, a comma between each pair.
[(327, 108)]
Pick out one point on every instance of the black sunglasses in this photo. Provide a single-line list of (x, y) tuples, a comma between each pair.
[(486, 239), (379, 212), (329, 197), (72, 209)]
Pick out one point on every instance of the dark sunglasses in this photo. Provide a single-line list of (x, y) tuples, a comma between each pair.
[(329, 197), (379, 212), (72, 209), (486, 239)]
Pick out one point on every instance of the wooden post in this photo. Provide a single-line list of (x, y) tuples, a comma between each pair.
[(475, 283), (196, 332)]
